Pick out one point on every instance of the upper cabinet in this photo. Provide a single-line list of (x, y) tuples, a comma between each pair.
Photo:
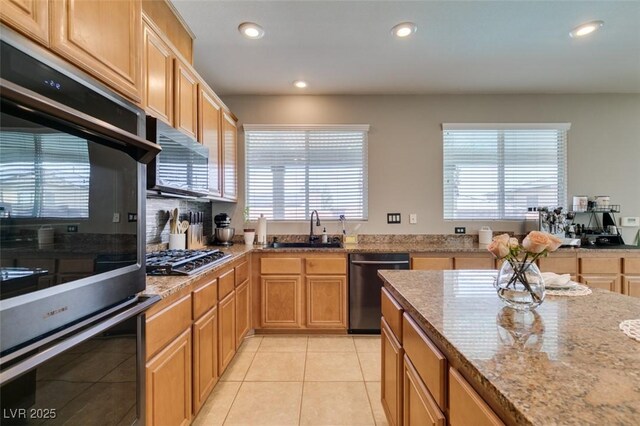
[(30, 17), (230, 159), (209, 134), (186, 99), (157, 75), (102, 37)]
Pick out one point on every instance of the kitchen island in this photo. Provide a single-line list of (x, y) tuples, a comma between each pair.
[(565, 363)]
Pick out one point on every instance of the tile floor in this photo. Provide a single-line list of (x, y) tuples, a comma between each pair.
[(299, 380)]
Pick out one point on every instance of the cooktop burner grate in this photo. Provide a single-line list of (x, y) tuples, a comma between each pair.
[(183, 262)]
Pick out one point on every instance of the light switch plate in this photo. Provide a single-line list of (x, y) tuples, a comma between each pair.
[(413, 218), (630, 221), (394, 218)]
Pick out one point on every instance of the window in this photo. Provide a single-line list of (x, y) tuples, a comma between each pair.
[(293, 170), (496, 171), (44, 174)]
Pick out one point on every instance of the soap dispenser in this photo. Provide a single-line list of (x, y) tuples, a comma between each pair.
[(325, 237)]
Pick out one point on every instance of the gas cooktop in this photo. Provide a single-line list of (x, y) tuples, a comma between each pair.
[(183, 262)]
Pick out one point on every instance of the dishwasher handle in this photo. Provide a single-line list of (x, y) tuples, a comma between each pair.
[(380, 262)]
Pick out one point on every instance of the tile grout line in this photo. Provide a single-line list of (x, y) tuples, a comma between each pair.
[(304, 373), (364, 382), (240, 387)]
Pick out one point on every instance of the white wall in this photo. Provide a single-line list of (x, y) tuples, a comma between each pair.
[(405, 148)]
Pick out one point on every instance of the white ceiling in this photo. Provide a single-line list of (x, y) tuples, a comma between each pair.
[(345, 47)]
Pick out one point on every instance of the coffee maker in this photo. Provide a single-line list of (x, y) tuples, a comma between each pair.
[(223, 233)]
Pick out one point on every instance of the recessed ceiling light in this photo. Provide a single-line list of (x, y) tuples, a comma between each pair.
[(300, 84), (404, 29), (587, 28), (251, 30)]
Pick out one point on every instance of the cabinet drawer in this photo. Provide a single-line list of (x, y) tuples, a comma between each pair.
[(226, 283), (164, 326), (48, 264), (631, 286), (75, 265), (205, 298), (466, 407), (600, 265), (632, 265), (280, 265), (473, 263), (427, 359), (420, 409), (559, 265), (392, 313), (319, 266), (242, 273), (432, 263)]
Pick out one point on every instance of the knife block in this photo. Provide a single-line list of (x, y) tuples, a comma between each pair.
[(195, 238)]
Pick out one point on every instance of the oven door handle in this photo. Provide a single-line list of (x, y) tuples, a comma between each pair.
[(41, 357), (26, 100)]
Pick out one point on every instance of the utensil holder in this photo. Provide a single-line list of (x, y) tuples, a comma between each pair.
[(177, 241)]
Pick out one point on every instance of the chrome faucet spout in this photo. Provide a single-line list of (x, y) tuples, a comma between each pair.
[(312, 237)]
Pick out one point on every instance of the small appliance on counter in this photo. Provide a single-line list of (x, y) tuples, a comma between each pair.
[(223, 232)]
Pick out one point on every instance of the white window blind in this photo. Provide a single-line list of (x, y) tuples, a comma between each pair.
[(292, 170), (44, 174), (496, 171)]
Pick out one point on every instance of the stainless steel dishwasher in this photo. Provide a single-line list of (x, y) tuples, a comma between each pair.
[(364, 288)]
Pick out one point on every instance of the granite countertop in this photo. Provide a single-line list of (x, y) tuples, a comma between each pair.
[(565, 363)]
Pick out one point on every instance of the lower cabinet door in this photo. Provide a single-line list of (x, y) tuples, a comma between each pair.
[(205, 357), (242, 312), (326, 301), (226, 331), (419, 407), (466, 407), (611, 283), (168, 387), (391, 380), (632, 286), (281, 301)]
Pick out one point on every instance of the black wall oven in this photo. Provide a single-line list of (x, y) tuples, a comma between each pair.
[(72, 209)]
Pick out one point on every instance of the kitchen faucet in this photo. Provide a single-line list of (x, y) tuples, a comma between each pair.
[(312, 237)]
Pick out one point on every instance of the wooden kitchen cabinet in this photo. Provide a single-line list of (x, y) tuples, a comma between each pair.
[(243, 312), (326, 301), (103, 37), (30, 17), (185, 99), (431, 263), (205, 357), (168, 384), (392, 373), (419, 407), (210, 135), (631, 278), (631, 286), (601, 272), (605, 282), (466, 407), (281, 301), (230, 157), (226, 331), (157, 74), (472, 262)]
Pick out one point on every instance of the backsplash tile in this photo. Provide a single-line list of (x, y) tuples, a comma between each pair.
[(158, 217)]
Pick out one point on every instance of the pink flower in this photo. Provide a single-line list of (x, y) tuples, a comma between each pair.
[(536, 242), (554, 243), (513, 243), (498, 247)]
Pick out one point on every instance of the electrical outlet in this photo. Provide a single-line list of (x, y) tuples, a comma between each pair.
[(460, 230), (413, 218), (394, 218), (116, 217), (72, 228), (630, 221)]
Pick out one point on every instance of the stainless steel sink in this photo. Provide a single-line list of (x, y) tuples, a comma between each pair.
[(278, 245)]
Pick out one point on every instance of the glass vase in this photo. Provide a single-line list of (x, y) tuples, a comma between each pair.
[(520, 285)]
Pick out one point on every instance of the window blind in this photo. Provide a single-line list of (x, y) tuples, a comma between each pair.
[(496, 171), (293, 170), (44, 174)]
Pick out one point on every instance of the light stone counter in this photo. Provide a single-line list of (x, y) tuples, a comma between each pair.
[(566, 364)]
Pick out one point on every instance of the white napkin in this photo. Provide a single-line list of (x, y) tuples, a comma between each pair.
[(554, 280)]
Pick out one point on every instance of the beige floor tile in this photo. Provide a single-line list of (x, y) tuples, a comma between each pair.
[(217, 407), (276, 403), (332, 366), (277, 367), (367, 344), (373, 390), (370, 364), (237, 370), (283, 344), (331, 344), (335, 403), (250, 344)]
